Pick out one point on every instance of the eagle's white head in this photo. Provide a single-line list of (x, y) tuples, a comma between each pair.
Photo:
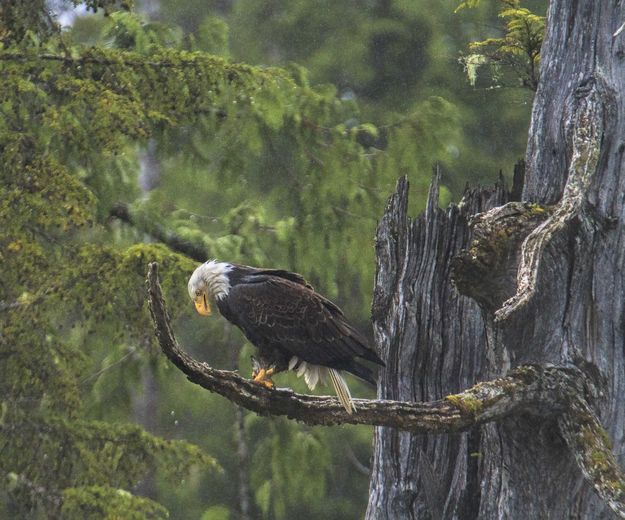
[(210, 280)]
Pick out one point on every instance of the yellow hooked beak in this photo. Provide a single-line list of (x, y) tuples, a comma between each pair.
[(202, 306)]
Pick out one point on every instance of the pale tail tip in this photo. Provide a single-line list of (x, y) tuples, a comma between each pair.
[(342, 391)]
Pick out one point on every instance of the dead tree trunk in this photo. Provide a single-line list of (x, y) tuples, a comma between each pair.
[(541, 282)]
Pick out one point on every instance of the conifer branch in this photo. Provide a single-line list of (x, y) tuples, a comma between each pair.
[(175, 242), (133, 60)]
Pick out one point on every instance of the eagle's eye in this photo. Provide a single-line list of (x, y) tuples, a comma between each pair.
[(198, 292)]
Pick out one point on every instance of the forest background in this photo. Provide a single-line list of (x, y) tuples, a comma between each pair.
[(265, 133)]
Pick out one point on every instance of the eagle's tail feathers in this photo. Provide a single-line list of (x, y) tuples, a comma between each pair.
[(342, 391)]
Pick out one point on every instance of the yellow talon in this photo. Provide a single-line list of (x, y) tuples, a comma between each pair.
[(263, 378)]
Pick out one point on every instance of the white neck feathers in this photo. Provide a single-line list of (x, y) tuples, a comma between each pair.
[(212, 277)]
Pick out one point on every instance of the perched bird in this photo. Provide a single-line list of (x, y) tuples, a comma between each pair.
[(292, 326)]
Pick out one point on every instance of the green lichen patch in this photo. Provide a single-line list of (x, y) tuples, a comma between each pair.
[(482, 271), (535, 209), (597, 460), (466, 402)]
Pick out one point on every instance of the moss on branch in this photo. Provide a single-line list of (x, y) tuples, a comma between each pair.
[(466, 402), (592, 449), (483, 271)]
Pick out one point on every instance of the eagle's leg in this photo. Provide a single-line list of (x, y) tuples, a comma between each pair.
[(263, 378), (261, 374)]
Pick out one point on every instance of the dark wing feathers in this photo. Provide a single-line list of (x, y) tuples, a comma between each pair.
[(277, 311), (287, 275)]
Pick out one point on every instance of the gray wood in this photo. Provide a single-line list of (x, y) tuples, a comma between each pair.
[(555, 295), (433, 341)]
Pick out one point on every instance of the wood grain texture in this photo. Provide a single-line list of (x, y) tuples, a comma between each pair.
[(434, 340), (434, 343), (576, 159)]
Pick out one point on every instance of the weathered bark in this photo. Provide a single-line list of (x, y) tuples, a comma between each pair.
[(434, 343), (548, 278)]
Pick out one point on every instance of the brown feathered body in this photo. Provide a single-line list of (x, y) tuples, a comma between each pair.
[(292, 326)]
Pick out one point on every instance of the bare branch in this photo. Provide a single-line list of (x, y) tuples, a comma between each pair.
[(539, 391), (482, 403), (524, 389)]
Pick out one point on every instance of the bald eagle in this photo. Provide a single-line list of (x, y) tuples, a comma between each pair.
[(292, 326)]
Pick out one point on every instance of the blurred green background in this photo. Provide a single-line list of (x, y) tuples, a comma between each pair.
[(266, 133)]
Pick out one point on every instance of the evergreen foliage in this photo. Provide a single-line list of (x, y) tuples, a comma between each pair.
[(518, 50)]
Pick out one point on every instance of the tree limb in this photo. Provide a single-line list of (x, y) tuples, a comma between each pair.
[(540, 391), (590, 445), (175, 242), (522, 389)]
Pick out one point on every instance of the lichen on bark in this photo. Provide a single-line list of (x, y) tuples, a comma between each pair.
[(483, 271)]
